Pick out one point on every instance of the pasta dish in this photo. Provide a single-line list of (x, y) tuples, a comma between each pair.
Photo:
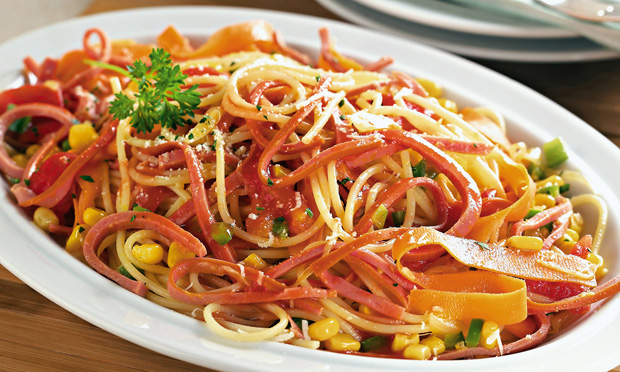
[(329, 204)]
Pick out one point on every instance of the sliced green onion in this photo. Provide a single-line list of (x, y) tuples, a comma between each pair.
[(536, 172), (121, 269), (373, 343), (398, 218), (553, 190), (531, 213), (280, 228), (221, 232), (309, 212), (108, 66), (473, 334), (419, 170), (379, 217), (65, 145), (564, 188), (452, 339), (138, 208), (554, 151)]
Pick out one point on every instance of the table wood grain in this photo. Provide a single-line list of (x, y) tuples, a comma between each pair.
[(37, 335)]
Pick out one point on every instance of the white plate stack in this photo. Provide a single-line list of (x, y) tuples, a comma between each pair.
[(470, 32)]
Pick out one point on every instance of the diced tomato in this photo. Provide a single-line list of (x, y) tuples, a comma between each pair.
[(582, 247), (29, 94), (37, 129), (554, 290), (151, 197), (48, 173)]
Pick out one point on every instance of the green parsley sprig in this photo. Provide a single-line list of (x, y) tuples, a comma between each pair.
[(158, 84)]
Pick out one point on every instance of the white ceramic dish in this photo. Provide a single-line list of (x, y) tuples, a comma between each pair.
[(472, 45), (455, 17), (34, 258)]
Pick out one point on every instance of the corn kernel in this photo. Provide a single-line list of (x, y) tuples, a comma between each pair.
[(532, 243), (254, 261), (148, 253), (544, 199), (418, 352), (81, 136), (92, 215), (449, 105), (489, 334), (403, 340), (342, 342), (280, 171), (324, 329), (44, 217), (550, 181), (432, 88), (435, 343), (32, 149), (75, 240), (20, 159), (576, 223), (566, 244), (176, 253), (365, 310), (572, 234)]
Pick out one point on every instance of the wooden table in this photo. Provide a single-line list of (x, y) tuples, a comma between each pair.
[(37, 335)]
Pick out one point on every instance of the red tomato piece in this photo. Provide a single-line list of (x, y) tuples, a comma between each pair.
[(151, 197), (29, 94), (50, 171), (554, 290)]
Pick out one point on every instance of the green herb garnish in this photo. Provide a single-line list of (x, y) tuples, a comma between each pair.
[(157, 84)]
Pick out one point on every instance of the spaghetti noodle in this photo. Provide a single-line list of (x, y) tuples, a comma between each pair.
[(331, 206)]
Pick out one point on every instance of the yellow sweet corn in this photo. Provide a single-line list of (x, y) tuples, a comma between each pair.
[(324, 329), (342, 342), (280, 171), (544, 200), (403, 340), (176, 253), (93, 215), (255, 262), (81, 136), (488, 334), (32, 149), (436, 345), (532, 243), (418, 352), (44, 217), (20, 159), (75, 240), (148, 253)]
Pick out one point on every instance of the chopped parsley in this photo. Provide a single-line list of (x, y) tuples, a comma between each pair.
[(309, 212), (158, 86), (87, 178), (138, 208), (483, 245)]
